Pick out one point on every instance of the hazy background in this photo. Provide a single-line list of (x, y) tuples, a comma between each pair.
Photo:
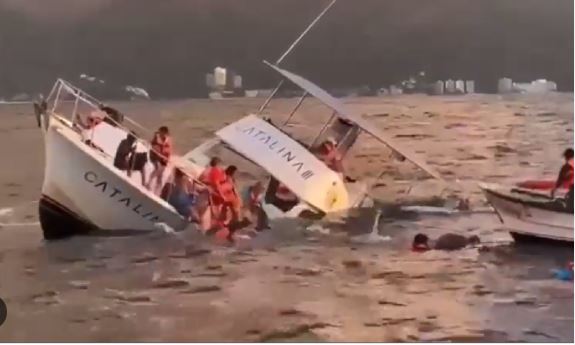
[(167, 46)]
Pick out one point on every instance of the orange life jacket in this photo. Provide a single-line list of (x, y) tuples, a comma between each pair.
[(163, 147), (228, 189)]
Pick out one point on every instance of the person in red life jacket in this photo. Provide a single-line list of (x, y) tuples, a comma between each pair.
[(565, 177), (230, 195), (213, 177), (160, 153)]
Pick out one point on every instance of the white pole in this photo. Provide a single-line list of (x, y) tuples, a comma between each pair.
[(302, 35), (289, 50)]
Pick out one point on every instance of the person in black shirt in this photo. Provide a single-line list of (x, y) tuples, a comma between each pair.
[(127, 159)]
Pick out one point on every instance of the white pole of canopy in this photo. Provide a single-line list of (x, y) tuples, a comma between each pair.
[(299, 103), (310, 26), (290, 49)]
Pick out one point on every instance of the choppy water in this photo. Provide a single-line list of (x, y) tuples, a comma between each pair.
[(293, 284), (182, 287)]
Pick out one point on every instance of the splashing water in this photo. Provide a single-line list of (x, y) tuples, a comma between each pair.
[(373, 237)]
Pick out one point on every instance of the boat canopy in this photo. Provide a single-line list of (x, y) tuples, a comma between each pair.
[(338, 107), (288, 161)]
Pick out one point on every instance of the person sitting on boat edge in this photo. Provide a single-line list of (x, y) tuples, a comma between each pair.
[(449, 241), (565, 177), (159, 156)]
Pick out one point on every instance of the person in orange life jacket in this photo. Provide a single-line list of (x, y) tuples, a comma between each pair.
[(213, 177), (565, 177), (232, 201), (160, 153)]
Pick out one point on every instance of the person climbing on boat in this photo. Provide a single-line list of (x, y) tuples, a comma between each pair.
[(180, 194), (565, 177), (231, 196), (449, 241), (252, 198), (213, 177), (159, 156)]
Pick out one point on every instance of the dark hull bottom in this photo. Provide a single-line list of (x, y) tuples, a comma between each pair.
[(530, 239), (58, 222)]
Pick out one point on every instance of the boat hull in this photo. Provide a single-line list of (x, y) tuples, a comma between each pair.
[(83, 191), (530, 219)]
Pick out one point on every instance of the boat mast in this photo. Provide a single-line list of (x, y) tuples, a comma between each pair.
[(290, 49)]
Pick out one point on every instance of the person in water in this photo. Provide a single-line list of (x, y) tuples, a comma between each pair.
[(159, 156), (565, 177), (180, 194), (252, 198), (422, 243)]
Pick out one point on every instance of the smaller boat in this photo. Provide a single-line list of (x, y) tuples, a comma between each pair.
[(530, 215), (542, 185)]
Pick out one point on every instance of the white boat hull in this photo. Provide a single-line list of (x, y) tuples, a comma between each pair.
[(529, 218), (82, 190)]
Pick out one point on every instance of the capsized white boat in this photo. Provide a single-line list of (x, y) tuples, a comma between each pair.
[(529, 215), (82, 189), (320, 191)]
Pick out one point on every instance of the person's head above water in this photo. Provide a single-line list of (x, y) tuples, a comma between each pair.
[(420, 242), (473, 240), (215, 161), (568, 154)]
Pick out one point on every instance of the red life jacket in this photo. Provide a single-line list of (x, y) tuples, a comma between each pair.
[(163, 147)]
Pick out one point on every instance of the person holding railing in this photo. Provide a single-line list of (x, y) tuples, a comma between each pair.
[(159, 156), (180, 194)]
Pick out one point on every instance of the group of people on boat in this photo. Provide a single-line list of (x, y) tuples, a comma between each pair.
[(212, 200)]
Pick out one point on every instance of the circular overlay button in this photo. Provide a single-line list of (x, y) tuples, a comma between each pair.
[(3, 312)]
